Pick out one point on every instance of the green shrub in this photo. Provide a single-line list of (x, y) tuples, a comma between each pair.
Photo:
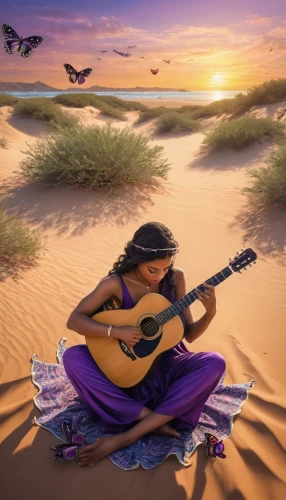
[(7, 100), (269, 183), (94, 157), (151, 113), (240, 132), (44, 108), (4, 144), (268, 92), (176, 122), (17, 241), (114, 112), (99, 102)]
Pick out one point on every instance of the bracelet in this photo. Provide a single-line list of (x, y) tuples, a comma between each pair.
[(109, 331)]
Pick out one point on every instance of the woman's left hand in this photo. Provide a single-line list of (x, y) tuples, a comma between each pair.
[(208, 298)]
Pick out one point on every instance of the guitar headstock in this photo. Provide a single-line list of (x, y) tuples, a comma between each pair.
[(242, 260)]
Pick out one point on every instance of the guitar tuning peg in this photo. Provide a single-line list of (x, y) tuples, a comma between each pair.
[(242, 249), (254, 262), (245, 269), (240, 272), (250, 265)]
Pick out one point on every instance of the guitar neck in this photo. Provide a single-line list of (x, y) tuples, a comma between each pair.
[(190, 297)]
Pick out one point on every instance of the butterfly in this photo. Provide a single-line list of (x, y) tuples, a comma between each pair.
[(99, 58), (154, 71), (215, 448), (132, 46), (73, 440), (78, 76), (124, 54), (102, 51), (168, 62), (24, 45), (270, 50), (142, 57)]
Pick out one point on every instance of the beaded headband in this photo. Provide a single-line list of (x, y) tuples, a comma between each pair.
[(155, 249)]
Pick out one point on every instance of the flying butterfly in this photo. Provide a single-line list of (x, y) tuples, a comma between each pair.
[(168, 62), (102, 51), (132, 46), (215, 448), (74, 440), (78, 76), (14, 42), (99, 58), (154, 71), (124, 54)]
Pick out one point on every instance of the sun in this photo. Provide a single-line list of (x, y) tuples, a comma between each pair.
[(217, 78)]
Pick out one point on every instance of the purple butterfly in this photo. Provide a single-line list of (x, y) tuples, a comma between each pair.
[(73, 440), (24, 45), (215, 448), (78, 76), (124, 54)]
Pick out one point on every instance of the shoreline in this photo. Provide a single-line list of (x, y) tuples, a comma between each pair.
[(173, 103)]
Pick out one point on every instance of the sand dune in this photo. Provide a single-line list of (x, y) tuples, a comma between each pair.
[(211, 219)]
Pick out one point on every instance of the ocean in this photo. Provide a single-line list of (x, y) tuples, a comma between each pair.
[(196, 95)]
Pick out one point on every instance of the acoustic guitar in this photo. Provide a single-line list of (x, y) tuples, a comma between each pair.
[(160, 324)]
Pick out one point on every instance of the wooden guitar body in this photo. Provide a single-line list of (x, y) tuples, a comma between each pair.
[(126, 367)]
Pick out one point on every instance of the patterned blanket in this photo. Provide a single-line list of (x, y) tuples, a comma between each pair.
[(58, 402)]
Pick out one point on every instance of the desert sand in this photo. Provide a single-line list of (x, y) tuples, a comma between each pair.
[(85, 232)]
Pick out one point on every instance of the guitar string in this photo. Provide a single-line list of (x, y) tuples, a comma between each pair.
[(166, 316)]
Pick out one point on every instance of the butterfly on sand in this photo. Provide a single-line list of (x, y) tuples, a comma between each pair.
[(78, 76), (15, 42), (73, 440), (215, 448), (142, 57), (124, 54), (168, 62), (154, 71)]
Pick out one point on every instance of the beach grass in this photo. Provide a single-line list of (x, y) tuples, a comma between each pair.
[(44, 108), (17, 241), (94, 157), (4, 144), (176, 122), (269, 92), (239, 133), (108, 105), (269, 183), (7, 100)]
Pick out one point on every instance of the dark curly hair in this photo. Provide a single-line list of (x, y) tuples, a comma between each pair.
[(150, 235)]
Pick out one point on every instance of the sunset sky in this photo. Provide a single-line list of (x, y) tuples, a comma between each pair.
[(212, 44)]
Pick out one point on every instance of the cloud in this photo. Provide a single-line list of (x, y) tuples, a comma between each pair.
[(181, 30), (255, 19)]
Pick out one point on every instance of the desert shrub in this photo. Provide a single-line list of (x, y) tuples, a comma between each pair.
[(151, 113), (44, 108), (17, 241), (94, 157), (269, 183), (4, 144), (7, 100), (240, 132), (176, 122)]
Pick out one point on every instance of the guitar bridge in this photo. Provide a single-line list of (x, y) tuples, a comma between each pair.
[(126, 350)]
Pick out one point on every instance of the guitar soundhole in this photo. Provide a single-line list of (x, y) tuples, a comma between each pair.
[(149, 327)]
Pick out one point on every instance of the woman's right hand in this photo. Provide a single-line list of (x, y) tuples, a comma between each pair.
[(130, 335)]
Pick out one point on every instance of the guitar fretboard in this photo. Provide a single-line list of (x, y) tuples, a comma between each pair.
[(190, 297)]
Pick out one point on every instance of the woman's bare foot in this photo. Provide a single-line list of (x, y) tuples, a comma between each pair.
[(103, 447), (167, 430)]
